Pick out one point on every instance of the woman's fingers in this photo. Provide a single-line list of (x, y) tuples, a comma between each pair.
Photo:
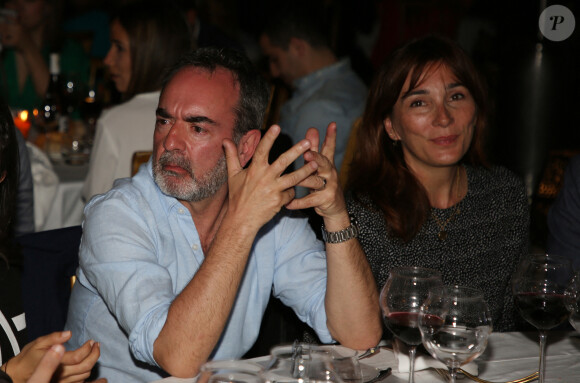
[(47, 365)]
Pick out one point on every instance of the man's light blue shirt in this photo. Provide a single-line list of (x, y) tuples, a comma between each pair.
[(140, 248), (334, 93)]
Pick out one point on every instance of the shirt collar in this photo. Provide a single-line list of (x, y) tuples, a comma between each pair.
[(329, 71)]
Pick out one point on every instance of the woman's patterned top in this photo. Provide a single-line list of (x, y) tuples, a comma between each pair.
[(484, 243)]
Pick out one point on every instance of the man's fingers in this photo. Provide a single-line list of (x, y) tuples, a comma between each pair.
[(289, 156), (329, 146), (313, 136), (265, 145), (232, 159)]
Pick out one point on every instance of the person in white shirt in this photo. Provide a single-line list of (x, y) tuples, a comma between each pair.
[(146, 38)]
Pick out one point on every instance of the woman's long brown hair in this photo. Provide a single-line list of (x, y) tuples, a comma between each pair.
[(378, 168)]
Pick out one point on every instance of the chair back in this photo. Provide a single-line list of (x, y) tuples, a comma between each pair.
[(139, 158), (50, 259), (351, 148)]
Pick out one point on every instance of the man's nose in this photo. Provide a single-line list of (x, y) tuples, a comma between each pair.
[(175, 138), (274, 70)]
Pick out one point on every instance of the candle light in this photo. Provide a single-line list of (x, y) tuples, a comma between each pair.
[(22, 122)]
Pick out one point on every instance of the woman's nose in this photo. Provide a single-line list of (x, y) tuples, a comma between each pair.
[(443, 116), (108, 60)]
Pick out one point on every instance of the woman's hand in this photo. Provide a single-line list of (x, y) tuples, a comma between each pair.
[(75, 366)]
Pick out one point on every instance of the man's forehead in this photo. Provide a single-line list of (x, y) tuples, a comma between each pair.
[(218, 75)]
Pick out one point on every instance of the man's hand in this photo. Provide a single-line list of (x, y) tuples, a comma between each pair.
[(326, 196), (260, 191)]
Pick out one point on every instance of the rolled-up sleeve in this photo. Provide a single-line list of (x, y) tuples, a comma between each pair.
[(300, 273), (121, 261)]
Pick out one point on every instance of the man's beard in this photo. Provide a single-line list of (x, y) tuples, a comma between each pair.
[(193, 190)]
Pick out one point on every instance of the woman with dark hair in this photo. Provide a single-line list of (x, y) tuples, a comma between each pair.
[(147, 37), (19, 360), (420, 186)]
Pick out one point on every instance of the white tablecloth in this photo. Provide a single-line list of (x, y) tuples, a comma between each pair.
[(508, 356), (57, 192)]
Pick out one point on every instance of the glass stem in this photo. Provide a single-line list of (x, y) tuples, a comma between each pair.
[(412, 353), (542, 366), (452, 374)]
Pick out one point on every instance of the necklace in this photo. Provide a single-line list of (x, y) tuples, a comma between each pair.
[(442, 224)]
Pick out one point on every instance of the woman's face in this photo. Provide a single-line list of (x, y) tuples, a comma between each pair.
[(434, 122), (31, 13), (118, 59)]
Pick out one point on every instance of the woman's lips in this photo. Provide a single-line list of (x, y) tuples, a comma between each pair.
[(445, 140)]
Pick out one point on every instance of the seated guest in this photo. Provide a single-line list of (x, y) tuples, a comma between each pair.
[(564, 217), (18, 360), (178, 262), (27, 40), (146, 38), (325, 88), (419, 185)]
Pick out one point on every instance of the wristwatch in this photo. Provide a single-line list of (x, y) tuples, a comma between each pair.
[(343, 235)]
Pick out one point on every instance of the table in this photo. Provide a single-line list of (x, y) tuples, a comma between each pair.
[(67, 207), (57, 191), (508, 356)]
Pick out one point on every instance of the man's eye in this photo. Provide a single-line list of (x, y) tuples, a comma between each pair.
[(417, 103), (198, 129)]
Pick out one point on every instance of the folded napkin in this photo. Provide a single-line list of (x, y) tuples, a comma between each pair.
[(422, 361), (45, 183)]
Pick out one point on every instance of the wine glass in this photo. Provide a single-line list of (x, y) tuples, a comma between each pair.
[(539, 289), (230, 371), (401, 298), (303, 362), (455, 324), (573, 291)]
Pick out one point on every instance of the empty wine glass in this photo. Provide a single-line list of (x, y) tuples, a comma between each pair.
[(539, 289), (573, 292), (455, 324), (303, 362), (401, 298), (230, 371)]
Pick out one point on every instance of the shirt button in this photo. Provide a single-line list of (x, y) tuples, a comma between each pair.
[(180, 211), (194, 247)]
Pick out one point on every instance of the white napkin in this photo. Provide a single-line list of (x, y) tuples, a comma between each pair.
[(45, 183), (423, 361)]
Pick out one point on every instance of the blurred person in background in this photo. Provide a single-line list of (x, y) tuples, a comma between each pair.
[(324, 88), (28, 36), (147, 36)]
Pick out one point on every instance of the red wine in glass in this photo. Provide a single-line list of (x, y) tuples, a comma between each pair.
[(405, 326), (540, 294), (401, 298)]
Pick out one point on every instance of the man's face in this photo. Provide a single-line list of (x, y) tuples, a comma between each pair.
[(195, 114), (284, 64)]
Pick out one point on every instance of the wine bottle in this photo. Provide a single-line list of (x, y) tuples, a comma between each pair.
[(53, 113)]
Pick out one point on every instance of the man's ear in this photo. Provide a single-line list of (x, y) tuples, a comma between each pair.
[(247, 146), (297, 46)]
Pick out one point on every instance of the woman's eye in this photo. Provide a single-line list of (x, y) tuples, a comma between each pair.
[(458, 96)]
